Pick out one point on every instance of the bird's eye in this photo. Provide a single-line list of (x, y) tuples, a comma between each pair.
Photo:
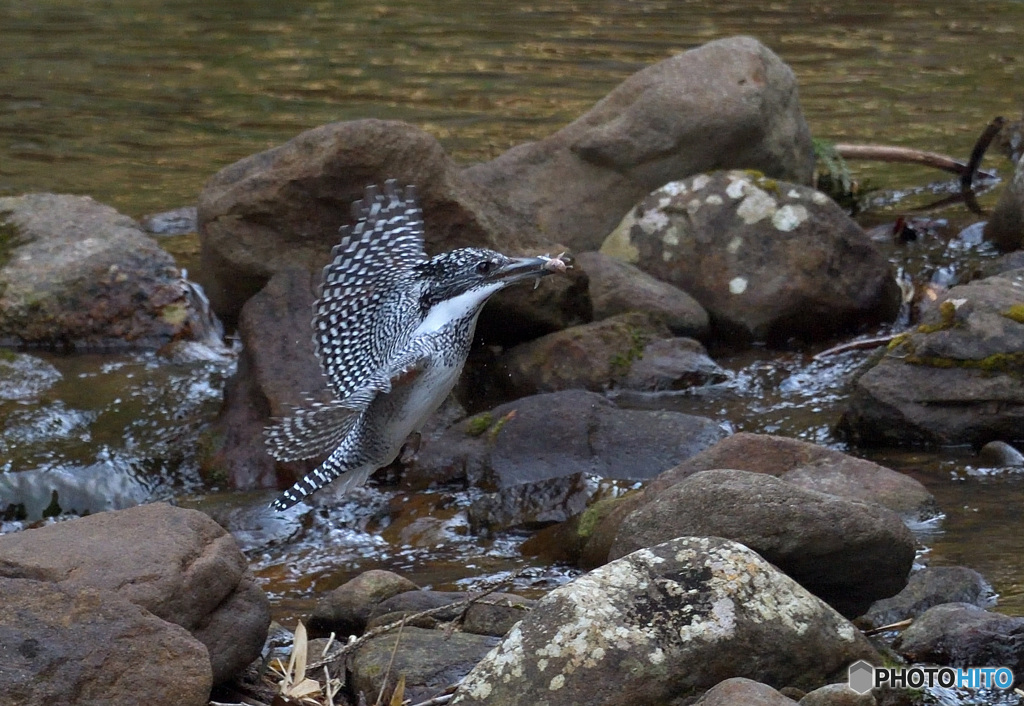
[(485, 267)]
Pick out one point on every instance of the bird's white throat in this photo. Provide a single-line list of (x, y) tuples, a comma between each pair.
[(455, 309)]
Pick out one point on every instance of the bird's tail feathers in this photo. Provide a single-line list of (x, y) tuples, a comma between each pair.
[(313, 481), (311, 431)]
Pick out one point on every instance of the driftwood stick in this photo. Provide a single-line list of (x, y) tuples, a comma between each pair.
[(984, 140), (858, 345), (906, 155)]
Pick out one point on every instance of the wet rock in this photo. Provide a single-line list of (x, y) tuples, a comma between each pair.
[(556, 435), (178, 564), (617, 287), (494, 614), (837, 695), (75, 273), (768, 260), (673, 364), (847, 552), (65, 644), (964, 635), (930, 587), (345, 610), (430, 661), (531, 505), (811, 467), (1005, 227), (675, 619), (282, 208), (178, 221), (651, 129), (999, 453), (1005, 263), (593, 357), (955, 380), (742, 692)]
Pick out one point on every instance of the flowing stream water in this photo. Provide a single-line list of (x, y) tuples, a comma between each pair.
[(137, 103)]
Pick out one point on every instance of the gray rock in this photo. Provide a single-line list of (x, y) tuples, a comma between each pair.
[(430, 661), (664, 622), (64, 644), (742, 692), (75, 273), (673, 364), (768, 260), (931, 586), (964, 635), (617, 287), (847, 552), (178, 564), (1005, 227), (531, 505), (999, 453), (809, 466), (556, 435), (345, 610), (837, 695), (955, 380), (178, 221)]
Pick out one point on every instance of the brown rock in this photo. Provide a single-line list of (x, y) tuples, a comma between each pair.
[(178, 564), (743, 692), (78, 274), (346, 609), (1005, 227), (65, 644)]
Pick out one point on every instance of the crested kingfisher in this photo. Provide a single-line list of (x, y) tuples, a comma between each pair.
[(392, 329)]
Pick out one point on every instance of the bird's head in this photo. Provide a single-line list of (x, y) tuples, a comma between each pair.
[(462, 280)]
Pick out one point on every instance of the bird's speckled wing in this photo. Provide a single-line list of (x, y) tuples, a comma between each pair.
[(361, 318)]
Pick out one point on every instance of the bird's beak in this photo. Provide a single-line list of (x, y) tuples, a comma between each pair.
[(520, 268)]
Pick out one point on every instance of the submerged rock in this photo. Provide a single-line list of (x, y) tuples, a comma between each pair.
[(768, 260), (67, 644), (178, 564), (665, 623), (75, 273), (957, 379), (848, 553)]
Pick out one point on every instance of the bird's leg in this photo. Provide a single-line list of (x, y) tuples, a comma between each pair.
[(410, 448)]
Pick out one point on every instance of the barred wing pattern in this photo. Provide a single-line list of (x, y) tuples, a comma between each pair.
[(361, 319)]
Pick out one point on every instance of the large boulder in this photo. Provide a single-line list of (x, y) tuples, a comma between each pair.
[(558, 434), (75, 273), (1005, 227), (957, 379), (768, 260), (664, 623), (64, 644), (729, 103), (848, 553), (179, 565)]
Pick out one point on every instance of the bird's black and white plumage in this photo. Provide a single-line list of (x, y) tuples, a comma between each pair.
[(392, 329)]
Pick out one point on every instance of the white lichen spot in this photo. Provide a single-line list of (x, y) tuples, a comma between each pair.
[(793, 194), (734, 245), (557, 682), (653, 221), (714, 200), (658, 656), (846, 632), (666, 255), (957, 303), (737, 188), (737, 285), (542, 664), (700, 181), (663, 202), (757, 206), (692, 206), (671, 237), (789, 217), (820, 198), (674, 188)]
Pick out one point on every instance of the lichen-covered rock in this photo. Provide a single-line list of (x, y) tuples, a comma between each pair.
[(665, 623), (178, 564), (957, 379), (1005, 227), (768, 260), (617, 287), (847, 552), (64, 644), (75, 273)]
